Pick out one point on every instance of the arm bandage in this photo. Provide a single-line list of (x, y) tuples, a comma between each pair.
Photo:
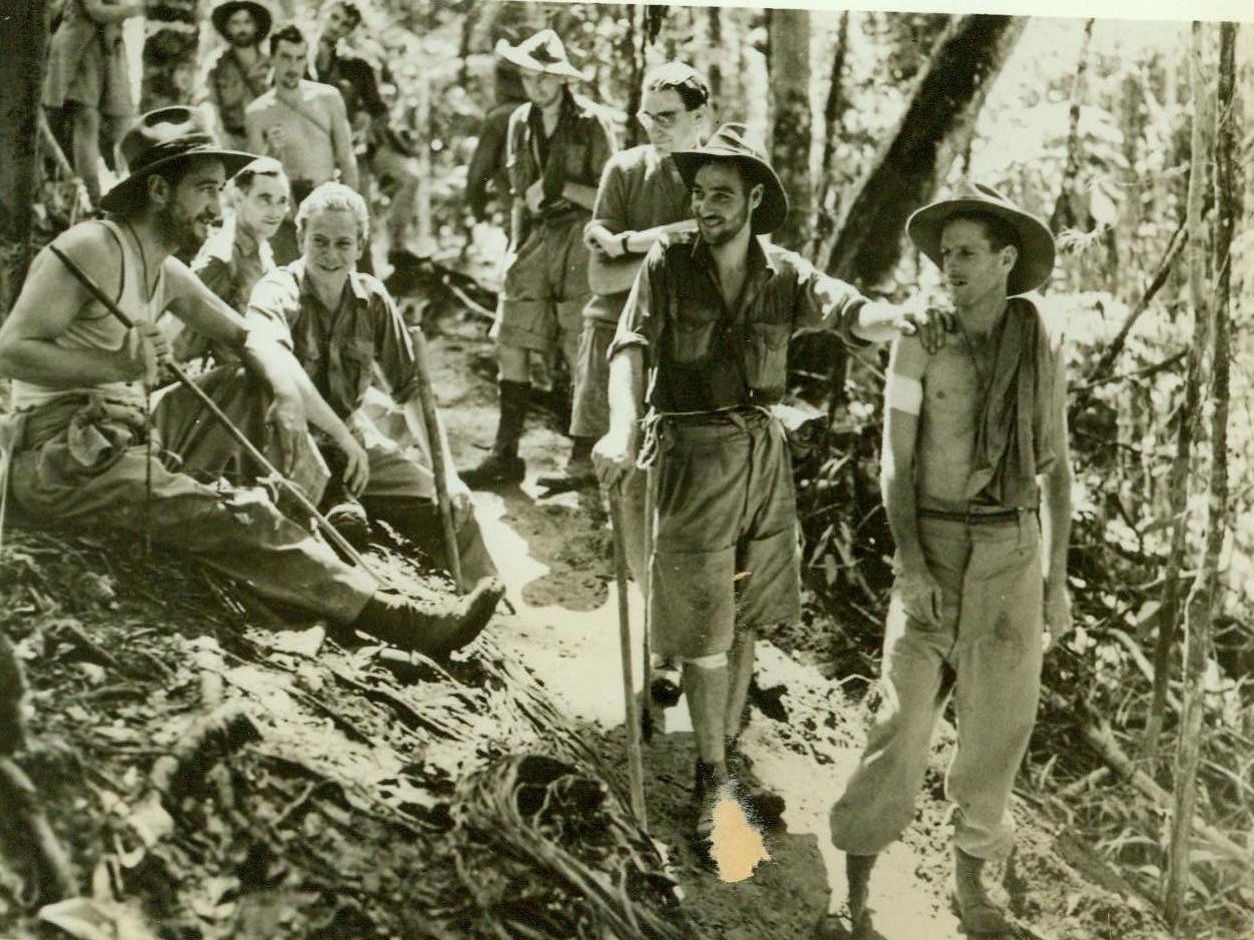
[(904, 394)]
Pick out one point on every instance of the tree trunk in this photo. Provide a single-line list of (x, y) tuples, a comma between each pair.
[(938, 121), (632, 49), (823, 228), (1178, 481), (1067, 210), (1201, 603), (788, 63), (715, 22), (22, 43), (170, 52)]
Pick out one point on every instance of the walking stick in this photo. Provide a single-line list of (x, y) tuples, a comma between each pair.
[(236, 434), (635, 764), (426, 398), (646, 588)]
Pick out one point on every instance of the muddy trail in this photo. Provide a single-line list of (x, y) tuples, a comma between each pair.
[(211, 771)]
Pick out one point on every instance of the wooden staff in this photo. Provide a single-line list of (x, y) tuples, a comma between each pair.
[(431, 422), (635, 763), (236, 434)]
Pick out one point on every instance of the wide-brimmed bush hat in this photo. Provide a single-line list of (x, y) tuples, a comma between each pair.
[(224, 9), (729, 144), (160, 138), (542, 52), (1036, 245)]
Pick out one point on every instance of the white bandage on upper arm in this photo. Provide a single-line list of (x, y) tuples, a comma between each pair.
[(903, 393)]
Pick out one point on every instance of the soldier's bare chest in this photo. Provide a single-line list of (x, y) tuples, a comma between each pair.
[(955, 385)]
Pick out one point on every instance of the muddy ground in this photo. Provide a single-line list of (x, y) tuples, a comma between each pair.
[(351, 800)]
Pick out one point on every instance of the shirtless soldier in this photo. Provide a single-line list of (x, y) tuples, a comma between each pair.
[(82, 454), (975, 453), (304, 125), (712, 313)]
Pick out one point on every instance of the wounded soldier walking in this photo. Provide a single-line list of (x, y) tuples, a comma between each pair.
[(975, 453), (83, 453), (710, 314)]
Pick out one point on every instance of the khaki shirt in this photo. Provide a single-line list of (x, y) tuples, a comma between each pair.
[(337, 348), (707, 357), (639, 189), (230, 86), (575, 152)]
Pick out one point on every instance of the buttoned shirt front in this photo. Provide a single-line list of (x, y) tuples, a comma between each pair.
[(337, 348), (706, 356)]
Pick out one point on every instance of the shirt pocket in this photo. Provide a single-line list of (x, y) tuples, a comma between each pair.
[(357, 366), (766, 355), (692, 333)]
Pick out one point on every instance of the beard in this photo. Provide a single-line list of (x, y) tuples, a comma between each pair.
[(242, 39), (726, 230), (179, 231)]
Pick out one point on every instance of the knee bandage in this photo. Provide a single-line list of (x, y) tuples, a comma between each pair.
[(716, 661), (904, 394)]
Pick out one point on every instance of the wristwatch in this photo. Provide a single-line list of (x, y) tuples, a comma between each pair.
[(622, 241)]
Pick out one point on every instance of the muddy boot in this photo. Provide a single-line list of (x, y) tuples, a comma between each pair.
[(709, 789), (979, 916), (765, 806), (579, 474), (503, 465), (348, 517), (852, 921), (434, 628)]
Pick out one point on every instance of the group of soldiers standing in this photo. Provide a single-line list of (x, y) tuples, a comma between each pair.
[(649, 271)]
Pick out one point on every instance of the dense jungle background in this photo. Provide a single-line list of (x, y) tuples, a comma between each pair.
[(384, 800)]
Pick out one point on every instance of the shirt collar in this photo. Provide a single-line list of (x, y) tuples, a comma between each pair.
[(356, 284), (757, 261)]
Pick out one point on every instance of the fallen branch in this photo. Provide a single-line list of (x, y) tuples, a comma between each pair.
[(1101, 736)]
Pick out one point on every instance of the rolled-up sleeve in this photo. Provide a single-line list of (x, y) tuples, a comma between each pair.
[(611, 208), (393, 350), (826, 302), (274, 307), (641, 321)]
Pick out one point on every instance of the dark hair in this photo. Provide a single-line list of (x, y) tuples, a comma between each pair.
[(997, 230), (683, 79), (288, 32), (350, 8), (172, 173)]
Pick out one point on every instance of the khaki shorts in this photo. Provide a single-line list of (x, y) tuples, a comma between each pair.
[(545, 289), (727, 554), (590, 411)]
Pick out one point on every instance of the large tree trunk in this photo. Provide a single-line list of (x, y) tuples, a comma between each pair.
[(1201, 603), (822, 230), (172, 37), (788, 61), (23, 40), (916, 155), (1189, 413)]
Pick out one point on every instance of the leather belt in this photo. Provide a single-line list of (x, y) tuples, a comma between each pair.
[(976, 518)]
